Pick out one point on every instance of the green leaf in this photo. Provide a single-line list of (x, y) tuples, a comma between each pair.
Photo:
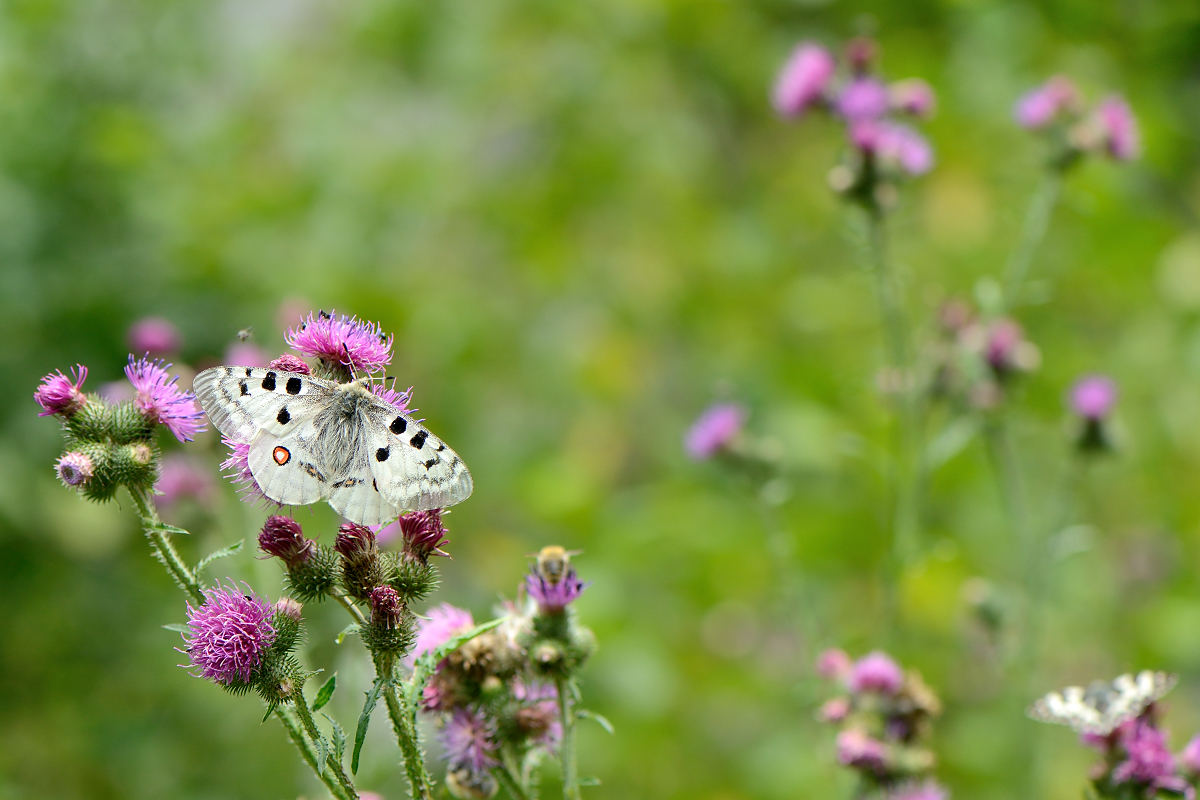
[(224, 551), (601, 720), (169, 529), (322, 752), (339, 738), (270, 711), (364, 719), (353, 627), (178, 627), (588, 780), (326, 693), (427, 664), (953, 439)]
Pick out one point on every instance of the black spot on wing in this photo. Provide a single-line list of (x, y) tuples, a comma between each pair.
[(418, 439), (313, 471), (293, 385), (283, 416), (245, 389), (347, 483), (429, 464), (441, 446), (249, 372), (382, 454), (398, 425), (268, 382)]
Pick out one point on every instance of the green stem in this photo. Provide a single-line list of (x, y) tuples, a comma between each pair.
[(331, 758), (907, 477), (308, 755), (348, 604), (164, 551), (1033, 231), (404, 724), (510, 783), (566, 714)]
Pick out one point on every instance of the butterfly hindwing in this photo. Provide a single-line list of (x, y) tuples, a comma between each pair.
[(1102, 707), (285, 470), (413, 469)]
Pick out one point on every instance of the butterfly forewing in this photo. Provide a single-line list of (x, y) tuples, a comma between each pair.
[(1102, 707), (413, 469)]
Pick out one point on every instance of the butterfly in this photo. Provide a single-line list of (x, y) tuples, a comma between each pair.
[(312, 439), (1101, 707)]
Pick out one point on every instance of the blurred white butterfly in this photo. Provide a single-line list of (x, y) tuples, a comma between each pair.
[(312, 439), (1101, 707)]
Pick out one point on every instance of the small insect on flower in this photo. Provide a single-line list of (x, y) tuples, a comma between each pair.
[(552, 582), (553, 562)]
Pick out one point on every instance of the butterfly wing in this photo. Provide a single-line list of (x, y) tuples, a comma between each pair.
[(284, 469), (1100, 708), (413, 469)]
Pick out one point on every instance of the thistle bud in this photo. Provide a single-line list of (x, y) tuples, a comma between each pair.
[(391, 629), (466, 784), (424, 534), (386, 607), (285, 619), (289, 363), (283, 538), (74, 469), (362, 569)]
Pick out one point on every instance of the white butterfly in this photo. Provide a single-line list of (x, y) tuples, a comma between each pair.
[(312, 439), (1101, 707)]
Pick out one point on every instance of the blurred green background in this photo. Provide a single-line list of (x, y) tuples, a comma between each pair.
[(584, 224)]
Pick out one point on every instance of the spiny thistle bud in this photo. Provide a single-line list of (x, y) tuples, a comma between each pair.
[(74, 469), (424, 534), (283, 538), (362, 570), (285, 619), (391, 628), (61, 395), (413, 579), (289, 363)]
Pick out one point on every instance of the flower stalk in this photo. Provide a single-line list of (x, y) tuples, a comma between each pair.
[(1033, 232), (566, 714)]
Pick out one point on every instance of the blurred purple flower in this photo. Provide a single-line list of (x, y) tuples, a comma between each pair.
[(1148, 760), (538, 716), (154, 336), (228, 635), (182, 477), (803, 80), (467, 741), (912, 96), (1039, 107), (74, 469), (1118, 128), (442, 624), (834, 664), (714, 430), (856, 749), (834, 710), (1003, 341), (875, 672), (362, 346), (863, 98), (245, 354), (1190, 757), (1093, 396), (918, 790), (59, 394), (553, 597), (161, 401)]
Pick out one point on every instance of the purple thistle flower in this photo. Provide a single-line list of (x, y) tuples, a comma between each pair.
[(1041, 106), (912, 96), (237, 469), (154, 335), (834, 710), (398, 399), (902, 146), (362, 346), (1093, 396), (553, 596), (289, 363), (74, 469), (355, 542), (875, 672), (918, 790), (283, 538), (443, 623), (59, 394), (1190, 757), (803, 80), (863, 98), (423, 532), (386, 607), (1147, 758), (1004, 340), (714, 430), (180, 478), (467, 741), (1119, 128), (161, 401), (856, 749), (538, 717), (228, 635), (834, 664)]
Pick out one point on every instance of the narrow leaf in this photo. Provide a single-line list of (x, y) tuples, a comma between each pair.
[(224, 551), (178, 627), (170, 529), (364, 719), (588, 780), (349, 629), (339, 738), (326, 693), (600, 719), (270, 711), (322, 752), (427, 664)]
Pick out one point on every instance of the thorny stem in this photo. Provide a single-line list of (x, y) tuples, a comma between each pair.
[(307, 754), (354, 610), (164, 551), (1033, 230), (331, 758), (404, 724), (566, 714), (901, 380), (510, 783)]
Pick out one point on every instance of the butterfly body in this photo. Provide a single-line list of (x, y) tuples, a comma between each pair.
[(1101, 707), (312, 439)]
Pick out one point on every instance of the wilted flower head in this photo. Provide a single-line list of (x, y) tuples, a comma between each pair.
[(237, 469), (289, 363), (863, 98), (228, 635), (1118, 128), (182, 477), (912, 96), (714, 430), (538, 716), (154, 335), (875, 672), (468, 740), (803, 80), (442, 624), (74, 469), (283, 538), (856, 749), (361, 346), (918, 790), (161, 401), (59, 394), (1093, 396), (553, 596), (1041, 106)]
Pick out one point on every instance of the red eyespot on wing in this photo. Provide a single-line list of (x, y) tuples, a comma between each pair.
[(282, 456)]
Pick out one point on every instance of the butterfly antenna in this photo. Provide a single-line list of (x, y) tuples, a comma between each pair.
[(349, 361)]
